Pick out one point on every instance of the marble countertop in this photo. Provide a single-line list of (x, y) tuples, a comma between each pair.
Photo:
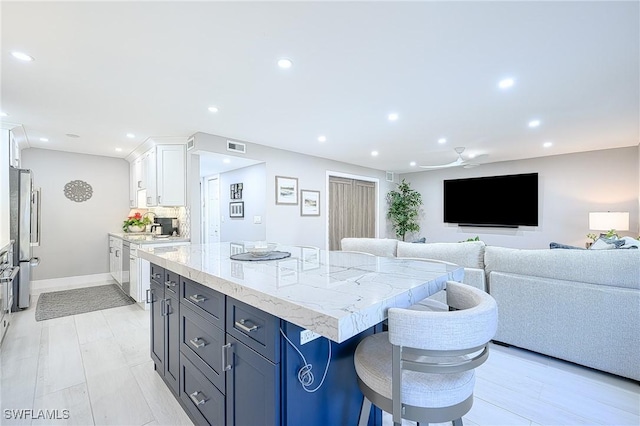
[(147, 238), (335, 294)]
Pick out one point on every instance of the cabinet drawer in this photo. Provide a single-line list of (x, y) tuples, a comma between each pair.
[(171, 282), (207, 302), (255, 328), (204, 402), (202, 343), (157, 274)]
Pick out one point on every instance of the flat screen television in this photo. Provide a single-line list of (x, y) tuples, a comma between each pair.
[(494, 201)]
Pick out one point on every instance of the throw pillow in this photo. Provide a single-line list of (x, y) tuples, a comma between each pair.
[(564, 246), (606, 244), (421, 240)]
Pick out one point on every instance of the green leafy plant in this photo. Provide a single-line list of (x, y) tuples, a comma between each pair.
[(476, 238), (611, 233), (404, 207)]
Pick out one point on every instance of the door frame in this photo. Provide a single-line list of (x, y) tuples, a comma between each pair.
[(330, 173)]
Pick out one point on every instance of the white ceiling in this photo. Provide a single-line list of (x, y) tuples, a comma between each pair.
[(103, 69)]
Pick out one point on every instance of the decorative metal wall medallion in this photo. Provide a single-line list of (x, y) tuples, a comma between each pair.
[(78, 191)]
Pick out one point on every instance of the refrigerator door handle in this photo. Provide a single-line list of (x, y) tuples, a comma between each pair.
[(34, 261), (35, 217)]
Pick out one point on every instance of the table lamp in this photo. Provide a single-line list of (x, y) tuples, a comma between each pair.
[(609, 221)]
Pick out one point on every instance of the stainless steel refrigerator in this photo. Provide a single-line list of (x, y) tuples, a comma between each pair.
[(24, 230)]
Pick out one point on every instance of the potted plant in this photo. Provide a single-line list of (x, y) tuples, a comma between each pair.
[(135, 223), (404, 206)]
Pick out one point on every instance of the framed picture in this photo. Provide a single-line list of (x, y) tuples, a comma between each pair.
[(236, 209), (309, 203), (235, 191), (286, 190)]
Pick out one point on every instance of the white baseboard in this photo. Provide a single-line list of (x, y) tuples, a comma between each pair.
[(38, 286)]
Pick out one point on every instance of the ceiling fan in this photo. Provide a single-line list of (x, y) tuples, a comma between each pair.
[(458, 162)]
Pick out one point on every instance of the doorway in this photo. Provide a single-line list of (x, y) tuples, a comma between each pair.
[(352, 209), (211, 209)]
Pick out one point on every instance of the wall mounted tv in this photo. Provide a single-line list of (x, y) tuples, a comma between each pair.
[(495, 201)]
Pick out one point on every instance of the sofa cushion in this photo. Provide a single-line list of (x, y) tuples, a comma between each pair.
[(616, 268), (466, 254), (606, 244), (385, 247)]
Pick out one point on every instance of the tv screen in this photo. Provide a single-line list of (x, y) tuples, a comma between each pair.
[(500, 201)]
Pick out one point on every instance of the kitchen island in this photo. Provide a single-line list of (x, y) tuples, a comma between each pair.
[(231, 338)]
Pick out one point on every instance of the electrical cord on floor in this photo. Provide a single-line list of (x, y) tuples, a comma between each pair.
[(305, 376)]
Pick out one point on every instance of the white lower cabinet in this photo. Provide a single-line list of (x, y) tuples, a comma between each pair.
[(139, 283), (115, 258)]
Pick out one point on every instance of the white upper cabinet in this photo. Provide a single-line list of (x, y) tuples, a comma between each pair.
[(171, 175), (151, 178), (161, 173)]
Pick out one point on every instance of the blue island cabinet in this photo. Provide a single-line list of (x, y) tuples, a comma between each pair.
[(236, 367)]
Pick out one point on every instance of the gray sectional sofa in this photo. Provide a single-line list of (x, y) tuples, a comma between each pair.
[(582, 306)]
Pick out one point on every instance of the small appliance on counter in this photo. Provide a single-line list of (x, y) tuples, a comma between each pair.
[(168, 225)]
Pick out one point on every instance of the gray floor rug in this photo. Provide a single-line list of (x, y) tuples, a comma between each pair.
[(57, 304)]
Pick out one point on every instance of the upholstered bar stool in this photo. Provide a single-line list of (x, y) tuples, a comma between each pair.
[(422, 369)]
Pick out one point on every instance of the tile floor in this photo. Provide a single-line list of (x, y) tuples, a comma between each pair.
[(97, 366)]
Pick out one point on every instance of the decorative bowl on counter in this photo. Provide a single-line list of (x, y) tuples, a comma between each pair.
[(260, 248), (136, 228)]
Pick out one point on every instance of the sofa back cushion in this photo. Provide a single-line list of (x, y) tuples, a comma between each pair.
[(385, 247), (468, 254), (617, 268)]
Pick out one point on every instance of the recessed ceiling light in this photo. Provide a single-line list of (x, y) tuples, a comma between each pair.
[(3, 114), (131, 135), (322, 138), (506, 83), (118, 149), (226, 161), (534, 123), (374, 153), (393, 116), (22, 56), (442, 140), (72, 135), (44, 140), (547, 144), (285, 63), (213, 109), (412, 164)]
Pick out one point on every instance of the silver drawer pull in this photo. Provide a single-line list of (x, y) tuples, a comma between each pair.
[(246, 325), (196, 400), (157, 276), (197, 298), (226, 357), (198, 343), (170, 283)]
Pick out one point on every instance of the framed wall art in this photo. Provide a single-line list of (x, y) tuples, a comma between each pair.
[(309, 203), (235, 192), (236, 209), (286, 190)]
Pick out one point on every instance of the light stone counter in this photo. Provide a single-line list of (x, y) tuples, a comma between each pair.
[(335, 294), (147, 238)]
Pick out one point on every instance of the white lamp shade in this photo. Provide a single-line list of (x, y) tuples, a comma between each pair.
[(604, 221)]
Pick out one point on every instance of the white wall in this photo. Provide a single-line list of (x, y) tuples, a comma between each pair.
[(254, 198), (570, 186), (283, 222), (74, 238), (4, 187)]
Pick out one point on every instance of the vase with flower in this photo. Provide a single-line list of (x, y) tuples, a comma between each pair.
[(135, 223)]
